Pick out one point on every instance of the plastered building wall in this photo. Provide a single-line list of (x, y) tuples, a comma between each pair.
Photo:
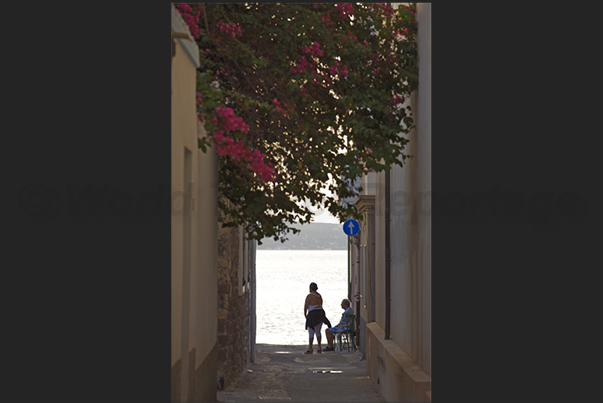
[(194, 236), (401, 366)]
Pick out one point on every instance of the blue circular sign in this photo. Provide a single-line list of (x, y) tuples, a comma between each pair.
[(351, 227)]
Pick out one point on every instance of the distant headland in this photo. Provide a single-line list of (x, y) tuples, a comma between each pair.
[(313, 236)]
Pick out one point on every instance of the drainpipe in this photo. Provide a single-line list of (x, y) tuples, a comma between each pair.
[(387, 254), (387, 258), (253, 297)]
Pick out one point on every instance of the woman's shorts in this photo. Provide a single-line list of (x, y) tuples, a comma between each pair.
[(317, 328)]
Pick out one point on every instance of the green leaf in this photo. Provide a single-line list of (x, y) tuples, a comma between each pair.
[(287, 142)]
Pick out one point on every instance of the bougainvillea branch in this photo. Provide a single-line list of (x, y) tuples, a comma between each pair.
[(299, 100)]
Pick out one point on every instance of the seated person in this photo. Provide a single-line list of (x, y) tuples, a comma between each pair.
[(342, 325)]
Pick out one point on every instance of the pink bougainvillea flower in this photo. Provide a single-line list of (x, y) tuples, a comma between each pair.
[(190, 17), (231, 29), (344, 71), (345, 9), (313, 50), (226, 121)]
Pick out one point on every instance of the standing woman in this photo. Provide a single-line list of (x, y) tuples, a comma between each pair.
[(315, 316)]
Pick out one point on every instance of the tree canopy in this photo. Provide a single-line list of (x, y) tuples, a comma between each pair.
[(299, 99)]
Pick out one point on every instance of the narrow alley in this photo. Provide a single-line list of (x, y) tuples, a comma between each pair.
[(283, 373), (251, 158)]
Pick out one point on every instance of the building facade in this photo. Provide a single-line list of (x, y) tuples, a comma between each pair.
[(213, 268), (394, 269), (236, 313), (194, 234)]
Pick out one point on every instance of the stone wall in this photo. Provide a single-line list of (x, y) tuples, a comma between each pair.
[(233, 308)]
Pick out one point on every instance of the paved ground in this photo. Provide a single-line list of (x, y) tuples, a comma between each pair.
[(285, 374)]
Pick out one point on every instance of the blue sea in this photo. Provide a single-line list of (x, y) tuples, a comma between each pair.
[(283, 279)]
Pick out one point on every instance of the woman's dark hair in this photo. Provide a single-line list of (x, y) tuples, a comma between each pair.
[(313, 286)]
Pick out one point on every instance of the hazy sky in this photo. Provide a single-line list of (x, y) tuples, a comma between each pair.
[(324, 216), (320, 215)]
